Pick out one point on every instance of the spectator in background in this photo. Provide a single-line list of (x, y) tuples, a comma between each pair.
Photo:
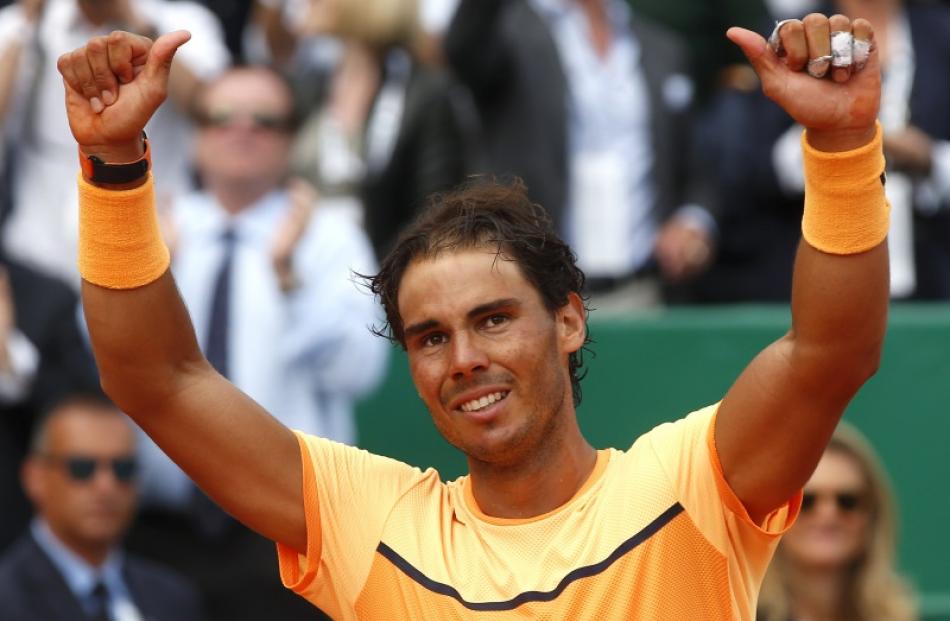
[(382, 131), (761, 179), (590, 106), (80, 475), (41, 230), (837, 562), (43, 358), (268, 281)]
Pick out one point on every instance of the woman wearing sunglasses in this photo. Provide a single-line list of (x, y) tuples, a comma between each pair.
[(837, 562)]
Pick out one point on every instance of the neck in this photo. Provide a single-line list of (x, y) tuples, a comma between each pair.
[(552, 476), (92, 552), (600, 34), (818, 594)]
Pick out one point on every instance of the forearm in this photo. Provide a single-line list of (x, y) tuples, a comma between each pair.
[(840, 292), (10, 59), (281, 42), (151, 366), (143, 342)]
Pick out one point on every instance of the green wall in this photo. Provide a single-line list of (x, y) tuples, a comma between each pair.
[(660, 366)]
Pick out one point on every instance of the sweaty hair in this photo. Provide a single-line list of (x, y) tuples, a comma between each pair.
[(485, 213)]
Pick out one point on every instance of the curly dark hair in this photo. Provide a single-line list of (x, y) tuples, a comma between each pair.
[(486, 212)]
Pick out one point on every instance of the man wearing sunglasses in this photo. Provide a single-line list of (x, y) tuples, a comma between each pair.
[(81, 478)]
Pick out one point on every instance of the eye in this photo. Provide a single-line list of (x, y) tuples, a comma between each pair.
[(433, 339), (496, 320)]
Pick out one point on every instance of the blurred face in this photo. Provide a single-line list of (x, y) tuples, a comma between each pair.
[(834, 525), (80, 482), (488, 359), (245, 132)]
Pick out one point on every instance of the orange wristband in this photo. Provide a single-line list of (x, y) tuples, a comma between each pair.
[(120, 244), (846, 211)]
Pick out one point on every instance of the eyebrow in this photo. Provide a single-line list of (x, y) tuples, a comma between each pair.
[(481, 309)]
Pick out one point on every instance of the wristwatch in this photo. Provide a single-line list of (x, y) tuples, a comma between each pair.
[(98, 171)]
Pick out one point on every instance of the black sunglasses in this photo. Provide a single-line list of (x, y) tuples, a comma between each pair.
[(81, 469), (259, 120), (846, 502)]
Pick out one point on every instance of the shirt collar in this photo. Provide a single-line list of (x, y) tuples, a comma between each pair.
[(79, 575), (253, 224)]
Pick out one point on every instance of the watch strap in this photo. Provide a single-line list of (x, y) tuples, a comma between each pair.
[(99, 171)]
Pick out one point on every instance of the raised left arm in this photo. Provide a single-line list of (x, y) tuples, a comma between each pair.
[(776, 420)]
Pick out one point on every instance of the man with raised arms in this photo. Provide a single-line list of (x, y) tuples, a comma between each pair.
[(484, 299)]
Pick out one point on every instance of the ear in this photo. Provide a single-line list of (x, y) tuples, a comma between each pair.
[(572, 324), (31, 477)]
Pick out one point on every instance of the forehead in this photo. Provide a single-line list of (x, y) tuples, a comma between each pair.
[(248, 88), (837, 470), (451, 283), (89, 432)]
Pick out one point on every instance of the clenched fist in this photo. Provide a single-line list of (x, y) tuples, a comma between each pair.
[(838, 109), (113, 86)]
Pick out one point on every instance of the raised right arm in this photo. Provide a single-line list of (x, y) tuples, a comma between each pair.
[(148, 357)]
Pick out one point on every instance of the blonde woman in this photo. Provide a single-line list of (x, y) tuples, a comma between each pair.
[(837, 562)]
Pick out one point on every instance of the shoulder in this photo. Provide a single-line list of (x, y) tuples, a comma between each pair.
[(162, 584), (696, 424), (23, 551), (16, 566), (159, 576)]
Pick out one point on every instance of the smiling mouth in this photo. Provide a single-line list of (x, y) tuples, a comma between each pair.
[(476, 405)]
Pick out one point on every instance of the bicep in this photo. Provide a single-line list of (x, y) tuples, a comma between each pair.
[(772, 428), (152, 368), (777, 418)]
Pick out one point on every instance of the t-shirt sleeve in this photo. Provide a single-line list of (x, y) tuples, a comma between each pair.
[(686, 450), (348, 494)]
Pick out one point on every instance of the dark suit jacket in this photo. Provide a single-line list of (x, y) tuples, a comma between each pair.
[(504, 52), (430, 155), (32, 589), (46, 313)]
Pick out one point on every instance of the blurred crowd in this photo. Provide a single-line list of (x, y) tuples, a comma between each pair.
[(299, 138)]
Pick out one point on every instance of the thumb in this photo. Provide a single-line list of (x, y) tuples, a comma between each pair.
[(756, 49), (160, 57)]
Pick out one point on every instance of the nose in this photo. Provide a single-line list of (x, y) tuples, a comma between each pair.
[(468, 357)]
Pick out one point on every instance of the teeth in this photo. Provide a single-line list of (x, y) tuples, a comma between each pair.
[(484, 402)]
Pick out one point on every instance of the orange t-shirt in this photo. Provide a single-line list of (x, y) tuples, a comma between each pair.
[(655, 533)]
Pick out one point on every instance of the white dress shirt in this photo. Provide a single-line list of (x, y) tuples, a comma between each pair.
[(611, 222), (42, 230), (305, 356)]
